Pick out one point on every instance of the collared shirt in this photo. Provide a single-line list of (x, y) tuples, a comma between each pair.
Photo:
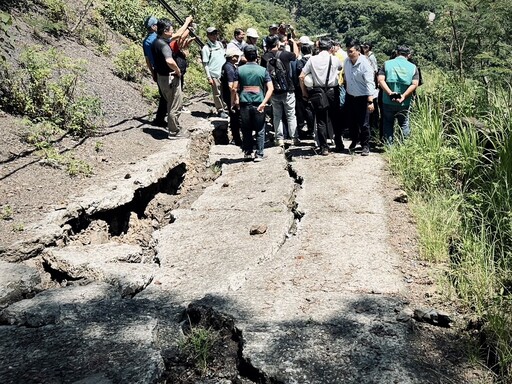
[(235, 44), (318, 66), (213, 58), (147, 43), (359, 77)]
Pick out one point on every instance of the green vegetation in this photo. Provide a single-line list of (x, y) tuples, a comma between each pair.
[(457, 165), (47, 88), (129, 64), (6, 212), (197, 345)]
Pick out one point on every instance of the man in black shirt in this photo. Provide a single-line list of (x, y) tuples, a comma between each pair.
[(168, 73), (227, 80)]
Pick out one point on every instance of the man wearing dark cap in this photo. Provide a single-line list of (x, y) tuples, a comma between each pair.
[(272, 31), (213, 59), (151, 36), (398, 79), (255, 88)]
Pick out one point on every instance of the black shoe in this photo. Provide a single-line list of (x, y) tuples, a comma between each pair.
[(159, 123), (352, 145), (325, 152), (339, 149)]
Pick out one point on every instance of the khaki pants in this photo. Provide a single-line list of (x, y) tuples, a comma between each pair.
[(217, 96), (171, 89)]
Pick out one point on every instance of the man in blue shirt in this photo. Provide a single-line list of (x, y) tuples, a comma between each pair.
[(360, 85), (150, 24), (398, 79)]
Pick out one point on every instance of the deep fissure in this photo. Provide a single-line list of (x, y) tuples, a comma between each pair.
[(118, 218)]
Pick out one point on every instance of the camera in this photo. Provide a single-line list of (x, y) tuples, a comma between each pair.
[(395, 96)]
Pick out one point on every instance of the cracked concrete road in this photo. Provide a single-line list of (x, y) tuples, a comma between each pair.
[(315, 297)]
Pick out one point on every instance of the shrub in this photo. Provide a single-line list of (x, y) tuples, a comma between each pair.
[(458, 163), (127, 16), (47, 87), (129, 64)]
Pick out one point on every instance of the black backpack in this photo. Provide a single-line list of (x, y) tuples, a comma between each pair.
[(278, 73)]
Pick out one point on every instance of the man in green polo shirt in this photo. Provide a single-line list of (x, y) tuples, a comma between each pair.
[(398, 79), (252, 90), (212, 55)]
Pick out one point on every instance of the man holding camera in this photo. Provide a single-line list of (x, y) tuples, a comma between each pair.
[(398, 79)]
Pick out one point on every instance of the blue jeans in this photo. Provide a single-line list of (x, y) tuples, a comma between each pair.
[(252, 120), (284, 102), (389, 114)]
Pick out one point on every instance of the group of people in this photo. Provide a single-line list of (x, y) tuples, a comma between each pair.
[(315, 89)]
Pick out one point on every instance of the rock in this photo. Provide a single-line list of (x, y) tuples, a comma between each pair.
[(405, 315), (114, 263), (401, 197), (432, 316), (58, 305), (16, 282), (258, 229)]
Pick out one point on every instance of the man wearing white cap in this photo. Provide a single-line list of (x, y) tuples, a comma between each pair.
[(228, 78), (213, 59), (252, 36)]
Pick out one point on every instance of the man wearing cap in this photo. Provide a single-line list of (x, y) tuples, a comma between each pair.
[(228, 77), (255, 88), (272, 31), (252, 36), (398, 79), (151, 36), (213, 59)]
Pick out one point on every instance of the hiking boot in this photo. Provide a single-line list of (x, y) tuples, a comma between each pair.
[(223, 115), (325, 152), (366, 151)]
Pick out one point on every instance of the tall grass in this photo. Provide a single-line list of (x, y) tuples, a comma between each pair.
[(458, 166)]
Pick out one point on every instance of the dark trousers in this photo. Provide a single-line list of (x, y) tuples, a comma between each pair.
[(161, 112), (252, 120), (358, 118), (304, 114), (234, 120), (328, 120)]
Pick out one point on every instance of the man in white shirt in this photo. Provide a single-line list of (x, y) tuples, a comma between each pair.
[(325, 79)]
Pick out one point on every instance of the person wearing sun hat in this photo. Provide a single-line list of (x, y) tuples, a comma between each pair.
[(227, 79), (212, 55)]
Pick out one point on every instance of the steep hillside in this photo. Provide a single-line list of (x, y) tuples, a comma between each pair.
[(31, 181)]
